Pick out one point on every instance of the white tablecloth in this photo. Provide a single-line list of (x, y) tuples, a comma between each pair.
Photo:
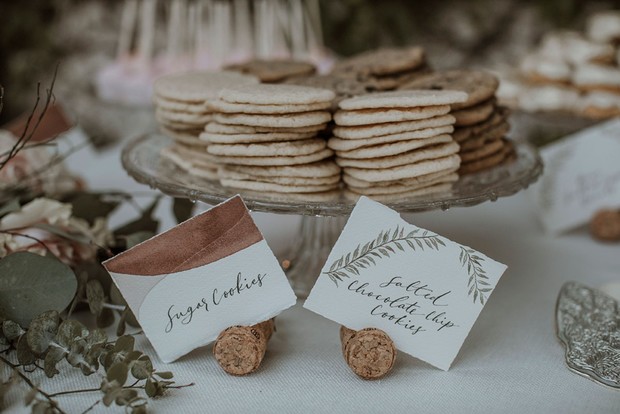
[(511, 361)]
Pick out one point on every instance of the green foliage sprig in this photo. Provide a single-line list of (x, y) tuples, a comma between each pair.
[(366, 255), (38, 295), (36, 290), (50, 341)]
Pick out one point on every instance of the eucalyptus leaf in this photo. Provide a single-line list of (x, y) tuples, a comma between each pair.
[(117, 299), (42, 331), (96, 336), (31, 284), (142, 368), (11, 330), (69, 331), (75, 357), (52, 358), (95, 296), (124, 396), (24, 353), (133, 356), (120, 327), (86, 368), (89, 206), (140, 409), (151, 388), (165, 375), (182, 209), (91, 359), (96, 271), (111, 358), (124, 343), (118, 372), (105, 318), (110, 395)]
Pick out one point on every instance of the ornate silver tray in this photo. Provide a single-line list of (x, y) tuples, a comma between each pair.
[(588, 325)]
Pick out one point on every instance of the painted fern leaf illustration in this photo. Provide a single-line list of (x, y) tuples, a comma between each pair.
[(478, 283), (387, 243)]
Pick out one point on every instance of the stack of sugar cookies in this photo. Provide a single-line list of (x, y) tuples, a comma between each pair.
[(181, 112), (264, 138), (397, 143), (274, 71), (384, 69), (480, 124), (343, 87)]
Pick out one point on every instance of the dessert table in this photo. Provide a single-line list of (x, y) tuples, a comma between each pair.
[(510, 362)]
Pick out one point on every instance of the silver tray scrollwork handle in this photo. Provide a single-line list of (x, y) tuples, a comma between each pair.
[(588, 325)]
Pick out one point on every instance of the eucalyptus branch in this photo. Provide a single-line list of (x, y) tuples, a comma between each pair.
[(127, 387), (112, 306), (93, 405), (27, 380), (28, 368), (106, 305)]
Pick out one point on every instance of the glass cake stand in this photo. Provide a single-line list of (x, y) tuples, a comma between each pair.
[(322, 216)]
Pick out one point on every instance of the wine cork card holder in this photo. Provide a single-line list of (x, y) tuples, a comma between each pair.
[(211, 278), (390, 284), (393, 285)]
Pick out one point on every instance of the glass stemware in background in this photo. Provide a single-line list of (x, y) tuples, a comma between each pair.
[(158, 38)]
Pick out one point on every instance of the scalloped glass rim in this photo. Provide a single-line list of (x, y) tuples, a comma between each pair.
[(141, 158)]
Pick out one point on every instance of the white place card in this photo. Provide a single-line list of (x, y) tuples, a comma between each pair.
[(422, 289), (210, 272), (582, 175)]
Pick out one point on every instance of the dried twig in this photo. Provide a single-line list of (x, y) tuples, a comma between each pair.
[(27, 135), (27, 236)]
